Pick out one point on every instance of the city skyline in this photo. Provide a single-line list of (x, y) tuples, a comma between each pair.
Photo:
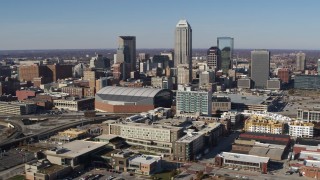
[(97, 24)]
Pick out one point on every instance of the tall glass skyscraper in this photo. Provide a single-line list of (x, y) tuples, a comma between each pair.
[(225, 44), (183, 45)]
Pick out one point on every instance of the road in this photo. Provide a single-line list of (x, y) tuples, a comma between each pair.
[(223, 145)]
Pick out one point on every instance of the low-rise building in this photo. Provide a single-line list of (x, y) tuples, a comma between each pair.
[(120, 160), (308, 115), (221, 104), (189, 146), (44, 170), (262, 125), (243, 161), (17, 108), (70, 135), (301, 129), (155, 138), (145, 164), (74, 153), (74, 104)]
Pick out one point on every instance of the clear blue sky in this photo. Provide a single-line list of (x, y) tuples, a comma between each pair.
[(73, 24)]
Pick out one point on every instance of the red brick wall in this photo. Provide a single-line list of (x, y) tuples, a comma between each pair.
[(264, 168), (312, 172), (22, 95), (123, 108), (297, 150)]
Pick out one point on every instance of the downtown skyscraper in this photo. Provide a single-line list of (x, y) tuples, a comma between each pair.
[(301, 61), (183, 46), (225, 44), (126, 52), (260, 68)]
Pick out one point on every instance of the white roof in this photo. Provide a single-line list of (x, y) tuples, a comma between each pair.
[(145, 159), (183, 23), (244, 157)]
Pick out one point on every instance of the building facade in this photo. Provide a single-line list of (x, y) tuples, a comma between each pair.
[(307, 82), (301, 129), (226, 45), (260, 68), (300, 61), (193, 103), (183, 46), (308, 115), (261, 125), (214, 58)]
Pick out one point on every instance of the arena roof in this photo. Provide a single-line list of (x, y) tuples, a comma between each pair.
[(127, 94)]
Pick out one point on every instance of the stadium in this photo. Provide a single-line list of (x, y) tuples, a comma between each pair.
[(131, 100)]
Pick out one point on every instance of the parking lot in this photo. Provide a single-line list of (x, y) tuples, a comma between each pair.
[(14, 157)]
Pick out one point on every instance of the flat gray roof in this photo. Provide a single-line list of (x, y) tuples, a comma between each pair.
[(245, 99), (145, 159), (77, 148), (244, 157)]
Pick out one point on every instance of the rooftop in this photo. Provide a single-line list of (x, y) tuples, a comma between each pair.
[(246, 99), (183, 23), (244, 157), (145, 159), (76, 148), (189, 137)]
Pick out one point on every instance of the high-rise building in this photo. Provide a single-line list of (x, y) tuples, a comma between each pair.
[(99, 62), (206, 77), (183, 74), (127, 51), (169, 54), (260, 68), (284, 75), (194, 103), (225, 44), (183, 45), (143, 56), (214, 58), (77, 70), (301, 61)]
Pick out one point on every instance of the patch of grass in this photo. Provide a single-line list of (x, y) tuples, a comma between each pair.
[(18, 177)]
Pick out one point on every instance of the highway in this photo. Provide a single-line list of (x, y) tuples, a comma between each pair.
[(15, 140)]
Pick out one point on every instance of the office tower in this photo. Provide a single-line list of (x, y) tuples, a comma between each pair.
[(225, 44), (101, 83), (99, 62), (206, 77), (260, 68), (183, 45), (77, 70), (143, 56), (59, 71), (301, 61), (169, 54), (127, 51), (183, 74), (214, 58), (27, 73), (194, 103), (318, 66), (90, 75), (284, 75)]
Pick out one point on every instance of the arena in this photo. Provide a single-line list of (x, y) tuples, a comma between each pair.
[(131, 100)]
